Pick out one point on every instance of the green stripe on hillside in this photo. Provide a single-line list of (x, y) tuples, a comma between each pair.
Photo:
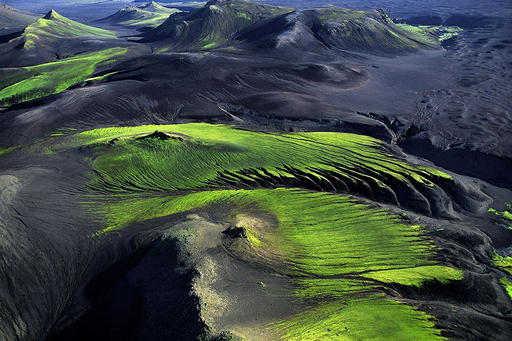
[(33, 82)]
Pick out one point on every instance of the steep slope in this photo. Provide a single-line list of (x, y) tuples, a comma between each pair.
[(149, 15), (250, 25), (53, 37), (334, 27), (54, 26), (12, 20), (212, 25)]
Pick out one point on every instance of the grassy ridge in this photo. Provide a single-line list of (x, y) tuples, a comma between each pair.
[(326, 235), (504, 264), (370, 318), (34, 82), (332, 248), (222, 156), (54, 26), (430, 34), (374, 31), (506, 214), (337, 252), (149, 15)]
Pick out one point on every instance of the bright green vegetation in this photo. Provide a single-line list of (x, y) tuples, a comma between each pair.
[(7, 150), (99, 78), (222, 156), (38, 81), (325, 243), (243, 15), (506, 214), (371, 318), (503, 263), (335, 14), (507, 284), (62, 131), (416, 276), (372, 31), (210, 45), (337, 252), (54, 27), (149, 15), (432, 33)]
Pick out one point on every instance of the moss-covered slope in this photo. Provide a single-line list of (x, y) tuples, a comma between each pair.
[(338, 254), (54, 26), (249, 25), (339, 28), (224, 157), (212, 25), (33, 82), (149, 15)]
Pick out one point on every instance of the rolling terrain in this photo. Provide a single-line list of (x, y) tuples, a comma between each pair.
[(148, 15), (242, 171)]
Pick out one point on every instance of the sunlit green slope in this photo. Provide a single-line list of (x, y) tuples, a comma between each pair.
[(33, 82), (54, 26), (149, 15), (339, 254)]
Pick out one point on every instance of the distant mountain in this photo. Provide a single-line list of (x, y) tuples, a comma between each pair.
[(212, 25), (248, 24), (339, 28), (151, 14), (13, 20), (54, 26), (50, 38)]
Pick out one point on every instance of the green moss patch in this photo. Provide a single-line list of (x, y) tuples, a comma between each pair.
[(416, 276), (332, 247), (507, 284), (337, 252), (506, 214), (54, 26), (7, 150), (503, 263), (38, 81), (222, 156), (370, 318)]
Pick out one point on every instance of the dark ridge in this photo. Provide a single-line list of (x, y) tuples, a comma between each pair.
[(265, 28), (51, 13), (8, 37), (492, 169), (146, 296), (160, 136)]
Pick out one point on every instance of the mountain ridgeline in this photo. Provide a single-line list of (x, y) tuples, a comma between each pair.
[(51, 38), (212, 25), (149, 15), (222, 23)]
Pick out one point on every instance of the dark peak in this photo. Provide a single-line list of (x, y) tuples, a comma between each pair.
[(51, 14), (224, 2)]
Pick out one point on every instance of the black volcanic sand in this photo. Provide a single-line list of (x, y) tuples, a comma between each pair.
[(153, 281)]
